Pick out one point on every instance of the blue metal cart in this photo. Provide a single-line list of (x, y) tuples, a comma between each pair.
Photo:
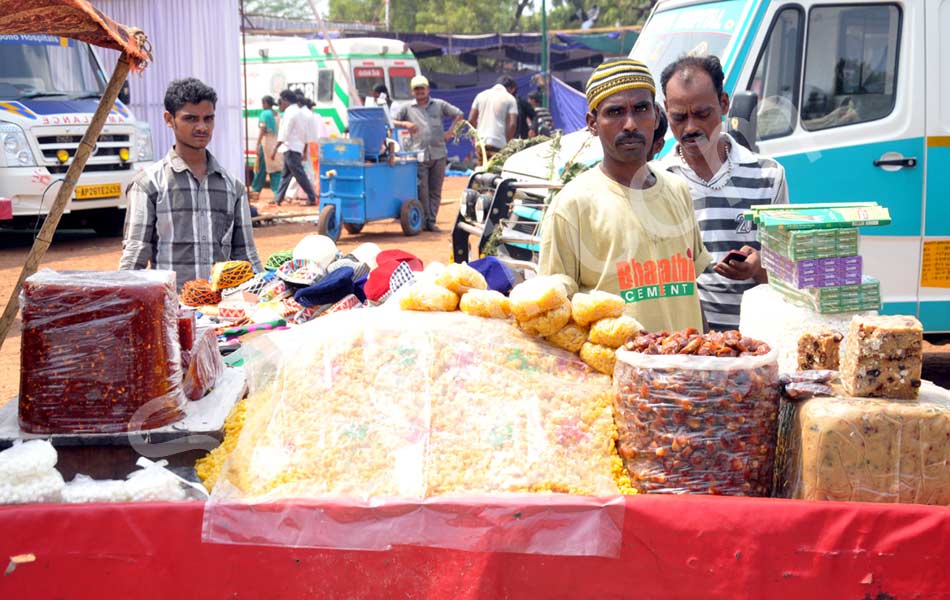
[(354, 190)]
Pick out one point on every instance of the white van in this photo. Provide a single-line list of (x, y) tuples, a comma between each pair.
[(853, 98), (272, 64), (49, 89)]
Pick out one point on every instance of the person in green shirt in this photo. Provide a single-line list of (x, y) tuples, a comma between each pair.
[(266, 141), (623, 226)]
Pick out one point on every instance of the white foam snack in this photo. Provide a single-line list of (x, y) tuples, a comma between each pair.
[(25, 460)]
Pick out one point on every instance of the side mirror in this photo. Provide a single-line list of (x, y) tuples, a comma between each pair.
[(125, 96), (742, 118)]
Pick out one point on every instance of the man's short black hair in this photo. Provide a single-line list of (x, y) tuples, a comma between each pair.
[(662, 124), (507, 81), (535, 96), (188, 91), (710, 64), (267, 101), (310, 103), (289, 95)]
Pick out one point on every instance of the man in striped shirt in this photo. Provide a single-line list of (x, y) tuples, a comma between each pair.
[(185, 211), (724, 179)]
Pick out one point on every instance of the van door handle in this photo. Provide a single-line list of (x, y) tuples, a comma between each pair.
[(909, 162)]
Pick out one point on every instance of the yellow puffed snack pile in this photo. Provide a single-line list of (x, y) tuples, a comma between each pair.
[(460, 278), (548, 322), (595, 305), (365, 406), (209, 467), (429, 297), (613, 332), (536, 296), (485, 303), (599, 357), (570, 337)]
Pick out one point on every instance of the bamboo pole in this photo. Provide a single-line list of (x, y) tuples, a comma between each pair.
[(86, 146)]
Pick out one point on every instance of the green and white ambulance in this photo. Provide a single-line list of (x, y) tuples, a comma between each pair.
[(272, 64), (49, 89)]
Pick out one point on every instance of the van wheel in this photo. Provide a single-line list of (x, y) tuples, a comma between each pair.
[(353, 227), (109, 222)]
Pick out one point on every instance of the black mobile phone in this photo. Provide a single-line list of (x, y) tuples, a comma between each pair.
[(734, 255)]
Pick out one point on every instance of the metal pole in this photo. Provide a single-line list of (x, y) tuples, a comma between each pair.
[(86, 146), (544, 54), (387, 15), (244, 67)]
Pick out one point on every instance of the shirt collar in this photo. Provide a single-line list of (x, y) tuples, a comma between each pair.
[(179, 165)]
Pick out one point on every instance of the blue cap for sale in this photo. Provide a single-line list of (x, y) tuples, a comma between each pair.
[(332, 288), (499, 277)]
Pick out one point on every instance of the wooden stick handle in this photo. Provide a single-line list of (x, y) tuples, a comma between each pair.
[(86, 146)]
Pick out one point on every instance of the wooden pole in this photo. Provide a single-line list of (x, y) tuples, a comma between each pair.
[(86, 146)]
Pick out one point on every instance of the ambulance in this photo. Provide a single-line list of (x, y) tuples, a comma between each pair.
[(851, 96), (334, 83), (49, 89)]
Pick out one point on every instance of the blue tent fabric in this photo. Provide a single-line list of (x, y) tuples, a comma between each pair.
[(568, 107)]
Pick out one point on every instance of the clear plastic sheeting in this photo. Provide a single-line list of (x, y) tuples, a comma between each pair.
[(870, 449), (99, 352), (364, 431)]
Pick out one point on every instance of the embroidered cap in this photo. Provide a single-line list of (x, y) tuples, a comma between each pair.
[(616, 76)]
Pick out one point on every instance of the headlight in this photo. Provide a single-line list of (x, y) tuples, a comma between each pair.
[(143, 142), (16, 150)]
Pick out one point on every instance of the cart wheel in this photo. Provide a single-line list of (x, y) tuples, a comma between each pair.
[(353, 227), (328, 224), (410, 216)]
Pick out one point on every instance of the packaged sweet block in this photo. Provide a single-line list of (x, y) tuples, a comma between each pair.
[(202, 364), (834, 298), (821, 272), (819, 350), (99, 352), (870, 450), (883, 356), (595, 306), (811, 244)]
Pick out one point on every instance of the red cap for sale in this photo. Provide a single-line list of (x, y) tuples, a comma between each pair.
[(378, 283)]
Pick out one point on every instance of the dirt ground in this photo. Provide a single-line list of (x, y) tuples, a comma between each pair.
[(83, 250)]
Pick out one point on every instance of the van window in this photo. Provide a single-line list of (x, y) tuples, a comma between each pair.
[(777, 74), (399, 80), (46, 67), (851, 65), (366, 78), (325, 85)]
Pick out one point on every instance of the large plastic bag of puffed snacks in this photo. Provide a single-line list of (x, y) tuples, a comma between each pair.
[(430, 429)]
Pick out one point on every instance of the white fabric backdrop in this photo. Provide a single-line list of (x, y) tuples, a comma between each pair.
[(190, 38)]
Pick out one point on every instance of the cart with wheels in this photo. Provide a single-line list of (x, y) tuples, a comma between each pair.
[(359, 183)]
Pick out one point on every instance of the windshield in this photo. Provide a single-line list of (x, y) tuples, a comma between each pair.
[(37, 66), (698, 29)]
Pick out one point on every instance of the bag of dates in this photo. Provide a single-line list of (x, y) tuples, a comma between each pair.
[(697, 414)]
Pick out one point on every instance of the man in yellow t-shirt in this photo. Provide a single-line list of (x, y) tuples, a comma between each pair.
[(624, 227)]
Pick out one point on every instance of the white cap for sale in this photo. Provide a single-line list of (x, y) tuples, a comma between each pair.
[(318, 248)]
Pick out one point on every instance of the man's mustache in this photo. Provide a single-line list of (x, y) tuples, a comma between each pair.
[(630, 137), (693, 136)]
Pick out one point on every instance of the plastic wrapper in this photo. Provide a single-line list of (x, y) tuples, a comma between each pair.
[(99, 352), (47, 487), (601, 358), (570, 337), (429, 297), (614, 331), (548, 322), (596, 305), (154, 483), (870, 450), (697, 424), (460, 278), (535, 296), (203, 365), (382, 425), (485, 303), (84, 489), (768, 316), (25, 460)]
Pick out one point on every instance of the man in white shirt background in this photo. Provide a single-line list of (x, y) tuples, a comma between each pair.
[(494, 115), (292, 138)]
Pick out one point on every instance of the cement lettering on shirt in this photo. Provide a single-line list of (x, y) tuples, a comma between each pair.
[(652, 279)]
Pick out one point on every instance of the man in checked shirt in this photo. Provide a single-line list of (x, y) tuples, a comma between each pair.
[(185, 211)]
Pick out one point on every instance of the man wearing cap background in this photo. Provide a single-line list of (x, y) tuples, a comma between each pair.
[(494, 115), (423, 119), (623, 226)]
